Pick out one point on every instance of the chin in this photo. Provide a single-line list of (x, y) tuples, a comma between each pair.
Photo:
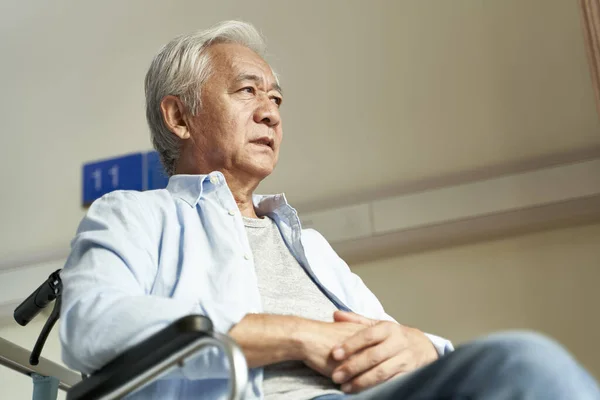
[(265, 172), (261, 171)]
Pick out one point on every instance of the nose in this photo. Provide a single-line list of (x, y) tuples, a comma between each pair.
[(267, 113)]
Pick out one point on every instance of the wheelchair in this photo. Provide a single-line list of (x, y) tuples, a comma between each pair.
[(143, 363)]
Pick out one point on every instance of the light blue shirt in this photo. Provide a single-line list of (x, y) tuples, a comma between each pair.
[(141, 260)]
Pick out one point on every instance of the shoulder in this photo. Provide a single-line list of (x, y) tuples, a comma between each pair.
[(128, 208), (313, 237), (312, 233), (134, 196), (132, 200), (315, 245)]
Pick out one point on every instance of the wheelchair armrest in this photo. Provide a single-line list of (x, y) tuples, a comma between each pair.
[(160, 353)]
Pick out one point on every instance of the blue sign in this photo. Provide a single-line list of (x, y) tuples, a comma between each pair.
[(137, 171), (157, 177), (105, 176)]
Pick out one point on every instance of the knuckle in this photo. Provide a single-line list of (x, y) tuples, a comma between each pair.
[(380, 374), (389, 326), (373, 362), (377, 355), (369, 335), (371, 358), (349, 369), (359, 384)]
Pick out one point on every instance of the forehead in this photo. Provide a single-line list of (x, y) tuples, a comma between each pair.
[(231, 59)]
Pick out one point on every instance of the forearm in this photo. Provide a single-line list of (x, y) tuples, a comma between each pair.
[(269, 339), (93, 332)]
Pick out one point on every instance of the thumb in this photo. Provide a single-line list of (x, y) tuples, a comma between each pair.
[(345, 316)]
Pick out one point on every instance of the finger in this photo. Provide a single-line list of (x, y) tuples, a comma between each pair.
[(364, 361), (360, 340), (344, 316), (381, 373)]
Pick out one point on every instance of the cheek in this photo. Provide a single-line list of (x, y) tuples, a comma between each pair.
[(228, 130), (279, 134), (241, 121)]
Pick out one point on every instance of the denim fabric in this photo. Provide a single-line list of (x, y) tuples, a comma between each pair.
[(515, 366)]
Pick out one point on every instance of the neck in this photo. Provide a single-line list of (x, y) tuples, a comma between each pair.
[(242, 191), (242, 186)]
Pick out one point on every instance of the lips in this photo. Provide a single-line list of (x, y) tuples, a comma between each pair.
[(265, 140)]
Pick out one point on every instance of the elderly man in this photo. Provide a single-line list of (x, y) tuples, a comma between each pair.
[(207, 244)]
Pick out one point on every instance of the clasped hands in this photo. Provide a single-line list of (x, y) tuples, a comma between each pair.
[(358, 352)]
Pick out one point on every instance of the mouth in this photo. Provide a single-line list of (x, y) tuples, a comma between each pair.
[(264, 141)]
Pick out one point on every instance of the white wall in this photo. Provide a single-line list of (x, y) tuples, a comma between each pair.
[(378, 94), (547, 281)]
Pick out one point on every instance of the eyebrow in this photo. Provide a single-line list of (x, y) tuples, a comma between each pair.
[(258, 80)]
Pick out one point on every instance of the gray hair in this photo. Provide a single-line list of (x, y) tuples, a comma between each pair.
[(180, 69)]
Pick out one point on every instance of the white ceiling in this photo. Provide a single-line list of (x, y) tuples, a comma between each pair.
[(379, 95)]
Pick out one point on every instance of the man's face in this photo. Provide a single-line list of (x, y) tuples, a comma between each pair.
[(238, 128)]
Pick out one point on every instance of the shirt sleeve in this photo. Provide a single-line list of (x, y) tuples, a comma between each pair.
[(107, 280), (367, 303), (442, 346)]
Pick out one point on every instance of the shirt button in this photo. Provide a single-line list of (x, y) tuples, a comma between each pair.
[(247, 256), (231, 212), (214, 180)]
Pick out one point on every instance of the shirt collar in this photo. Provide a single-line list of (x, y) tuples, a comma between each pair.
[(266, 204), (191, 188)]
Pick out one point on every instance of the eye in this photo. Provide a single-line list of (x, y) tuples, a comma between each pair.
[(248, 89), (276, 100)]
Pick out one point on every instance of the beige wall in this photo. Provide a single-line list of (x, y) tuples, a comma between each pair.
[(412, 90), (409, 90), (546, 281)]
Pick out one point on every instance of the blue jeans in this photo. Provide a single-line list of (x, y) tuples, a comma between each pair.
[(498, 367)]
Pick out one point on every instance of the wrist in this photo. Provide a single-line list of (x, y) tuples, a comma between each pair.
[(269, 339), (303, 337), (431, 353)]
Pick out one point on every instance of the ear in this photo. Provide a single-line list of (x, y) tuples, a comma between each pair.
[(173, 113)]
